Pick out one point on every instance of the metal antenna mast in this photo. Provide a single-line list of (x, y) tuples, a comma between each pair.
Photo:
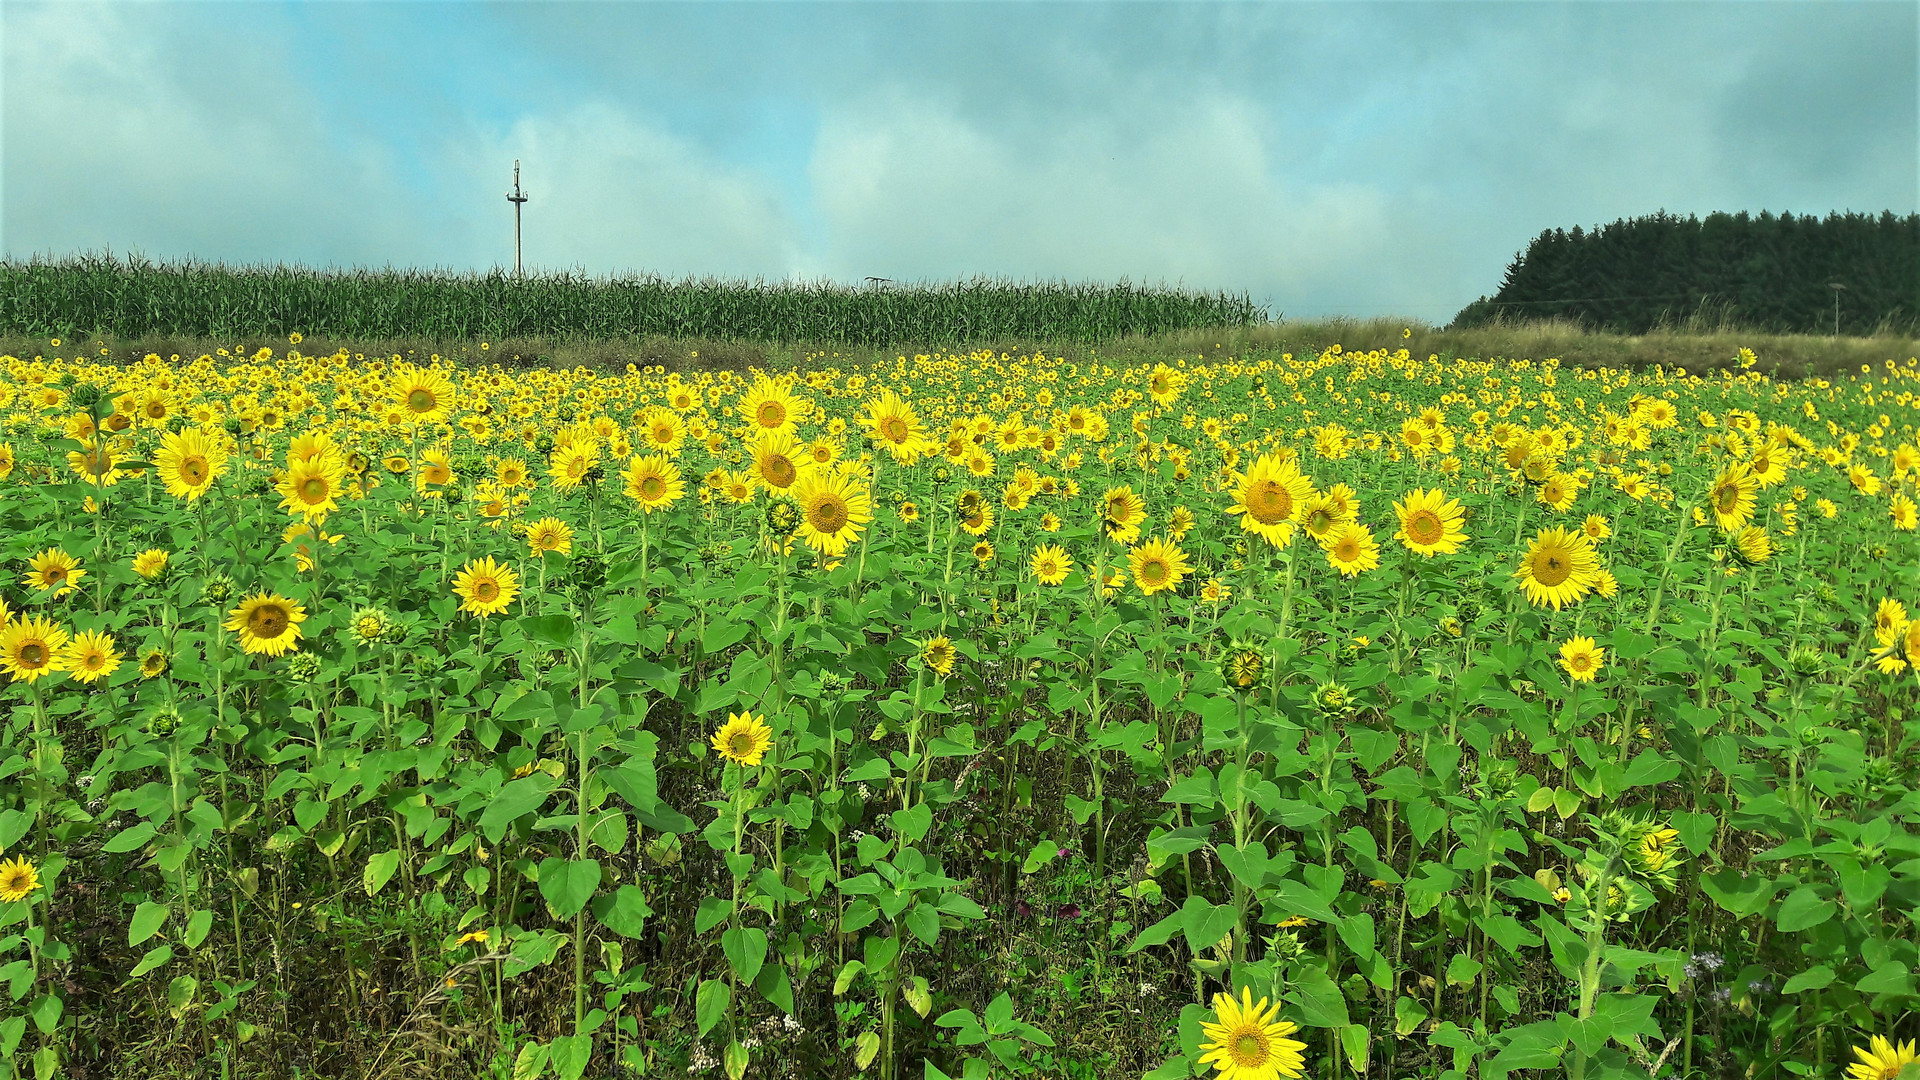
[(1836, 287), (516, 197)]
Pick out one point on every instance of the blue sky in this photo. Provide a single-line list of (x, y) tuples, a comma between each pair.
[(1324, 158)]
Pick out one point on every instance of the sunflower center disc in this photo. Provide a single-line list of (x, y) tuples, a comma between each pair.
[(1269, 502), (420, 400)]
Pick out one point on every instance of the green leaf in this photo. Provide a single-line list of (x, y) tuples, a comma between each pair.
[(1043, 853), (913, 822), (552, 631), (746, 949), (1319, 1000), (180, 994), (1462, 970), (148, 918), (848, 972), (570, 1055), (1737, 892), (155, 957), (1803, 909), (1696, 830), (710, 1004), (516, 798), (1205, 924), (531, 1063), (379, 871), (1891, 977), (923, 919), (567, 885), (198, 926), (1818, 977), (130, 838), (624, 911)]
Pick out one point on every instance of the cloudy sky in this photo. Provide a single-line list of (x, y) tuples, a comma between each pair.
[(1325, 159)]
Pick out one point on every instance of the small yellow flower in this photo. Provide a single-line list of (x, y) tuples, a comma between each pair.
[(18, 879)]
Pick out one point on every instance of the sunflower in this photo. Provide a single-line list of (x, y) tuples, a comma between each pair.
[(153, 663), (31, 647), (1732, 496), (1582, 659), (1557, 492), (769, 406), (1158, 565), (96, 463), (834, 508), (654, 482), (511, 473), (1751, 545), (1248, 1043), (892, 423), (1596, 527), (1050, 564), (395, 464), (486, 587), (550, 534), (778, 460), (54, 569), (1268, 496), (976, 518), (1883, 1061), (425, 396), (743, 739), (662, 430), (1430, 523), (436, 470), (1905, 515), (18, 879), (571, 464), (938, 653), (1559, 568), (983, 552), (189, 461), (267, 623), (1164, 384), (90, 656), (310, 487), (1351, 549), (1121, 512)]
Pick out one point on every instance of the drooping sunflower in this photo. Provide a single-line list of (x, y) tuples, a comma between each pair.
[(486, 587), (653, 481), (1318, 515), (425, 395), (267, 623), (834, 508), (1351, 549), (1121, 512), (1430, 523), (1158, 565), (54, 569), (893, 424), (311, 486), (1751, 545), (1559, 568), (1883, 1059), (550, 534), (31, 647), (18, 879), (1247, 1043), (770, 406), (1050, 564), (90, 656), (153, 663), (1582, 659), (743, 739), (189, 461), (1732, 496), (1268, 497), (938, 653)]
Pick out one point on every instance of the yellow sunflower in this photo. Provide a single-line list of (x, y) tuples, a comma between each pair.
[(654, 482), (769, 406), (1559, 568), (31, 647), (189, 461), (1050, 564), (1351, 549), (96, 463), (267, 623), (1430, 523), (1158, 565), (1247, 1043), (778, 460), (1582, 659), (1268, 498), (511, 473), (571, 464), (486, 587), (743, 739), (1121, 512), (1883, 1060), (834, 508), (90, 656), (550, 534), (150, 564), (424, 395), (892, 423), (662, 430), (54, 569), (938, 653), (1732, 496), (18, 879), (310, 487)]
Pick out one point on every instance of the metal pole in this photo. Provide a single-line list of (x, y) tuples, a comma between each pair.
[(1836, 287), (516, 197)]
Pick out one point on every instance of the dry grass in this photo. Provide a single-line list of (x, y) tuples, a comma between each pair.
[(1694, 345)]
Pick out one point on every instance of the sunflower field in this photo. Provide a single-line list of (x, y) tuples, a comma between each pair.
[(1335, 714)]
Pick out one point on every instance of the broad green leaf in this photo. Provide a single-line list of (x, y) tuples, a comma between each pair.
[(148, 918), (379, 871), (567, 885), (710, 1004)]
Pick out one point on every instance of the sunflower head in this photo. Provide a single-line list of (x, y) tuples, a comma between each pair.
[(1247, 1041), (18, 879), (743, 739)]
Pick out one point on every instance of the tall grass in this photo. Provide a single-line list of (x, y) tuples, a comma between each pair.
[(99, 294)]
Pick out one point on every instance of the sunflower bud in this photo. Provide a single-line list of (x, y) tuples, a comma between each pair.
[(304, 666), (782, 516), (218, 588), (1243, 667), (163, 722)]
